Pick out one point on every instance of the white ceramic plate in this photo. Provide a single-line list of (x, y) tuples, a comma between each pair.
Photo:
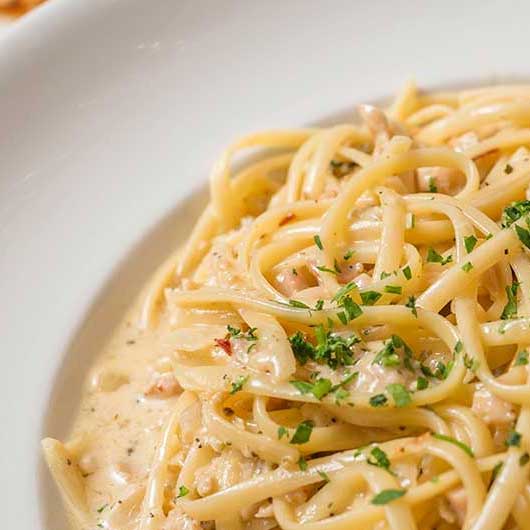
[(111, 113)]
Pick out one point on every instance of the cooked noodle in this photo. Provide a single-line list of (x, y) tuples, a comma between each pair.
[(340, 344)]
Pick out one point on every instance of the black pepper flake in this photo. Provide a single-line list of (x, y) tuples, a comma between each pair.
[(130, 342), (68, 462), (228, 411), (130, 450)]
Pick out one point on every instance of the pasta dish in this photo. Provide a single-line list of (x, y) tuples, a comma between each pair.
[(341, 343)]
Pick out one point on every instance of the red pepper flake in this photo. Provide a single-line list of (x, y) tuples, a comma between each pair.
[(289, 217), (225, 344)]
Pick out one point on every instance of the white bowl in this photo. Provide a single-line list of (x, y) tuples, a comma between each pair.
[(111, 113)]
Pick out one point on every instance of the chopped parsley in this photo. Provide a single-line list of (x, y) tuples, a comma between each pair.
[(238, 384), (434, 257), (101, 508), (513, 439), (302, 464), (379, 400), (370, 297), (470, 363), (183, 491), (318, 243), (514, 212), (510, 309), (282, 431), (521, 358), (524, 235), (319, 305), (331, 349), (236, 333), (453, 441), (508, 169), (302, 433), (380, 458), (469, 243), (321, 268), (524, 459), (432, 185), (385, 275), (390, 355), (344, 291), (386, 496), (320, 388), (351, 309), (458, 347), (393, 289), (421, 383), (407, 272), (411, 303), (400, 394), (298, 304), (340, 395), (348, 255), (466, 267), (324, 475), (303, 350)]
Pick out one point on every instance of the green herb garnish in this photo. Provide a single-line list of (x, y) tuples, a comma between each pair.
[(183, 491), (453, 441), (411, 303), (521, 358), (466, 267), (386, 496), (434, 257), (302, 433), (302, 464), (298, 304), (370, 297), (513, 439), (470, 242), (380, 458), (510, 309), (421, 383), (432, 185), (400, 394), (514, 212), (282, 431), (379, 400), (237, 385)]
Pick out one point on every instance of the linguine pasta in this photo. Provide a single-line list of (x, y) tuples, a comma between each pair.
[(341, 343)]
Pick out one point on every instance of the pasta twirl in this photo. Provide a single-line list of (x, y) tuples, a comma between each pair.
[(343, 342)]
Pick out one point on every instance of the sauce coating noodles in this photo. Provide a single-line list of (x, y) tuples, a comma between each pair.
[(341, 343)]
